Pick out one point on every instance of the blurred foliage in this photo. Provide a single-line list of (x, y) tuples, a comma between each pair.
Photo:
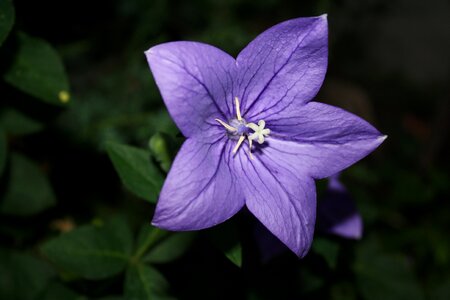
[(7, 16), (85, 138)]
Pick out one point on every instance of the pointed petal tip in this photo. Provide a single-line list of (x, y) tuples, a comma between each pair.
[(155, 223), (153, 50), (150, 51), (324, 16), (381, 139), (301, 253), (163, 226)]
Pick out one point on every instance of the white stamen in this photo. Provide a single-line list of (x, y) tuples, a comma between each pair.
[(241, 139), (238, 110), (250, 147), (228, 127)]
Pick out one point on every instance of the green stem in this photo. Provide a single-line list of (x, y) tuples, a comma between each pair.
[(154, 235)]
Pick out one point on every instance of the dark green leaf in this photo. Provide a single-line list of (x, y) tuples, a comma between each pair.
[(29, 191), (384, 276), (58, 291), (160, 246), (22, 276), (328, 249), (234, 254), (136, 170), (170, 247), (3, 150), (16, 123), (144, 282), (93, 252), (6, 19), (38, 70)]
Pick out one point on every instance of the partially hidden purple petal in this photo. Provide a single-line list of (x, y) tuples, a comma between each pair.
[(337, 213), (195, 81), (282, 199), (269, 246), (322, 139), (201, 189), (283, 67)]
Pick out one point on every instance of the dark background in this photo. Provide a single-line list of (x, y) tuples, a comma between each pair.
[(388, 63)]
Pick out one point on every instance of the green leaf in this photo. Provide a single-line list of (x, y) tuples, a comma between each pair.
[(29, 191), (160, 246), (93, 252), (38, 70), (3, 150), (234, 254), (136, 170), (328, 249), (384, 276), (22, 276), (165, 246), (162, 148), (15, 123), (7, 16), (144, 282)]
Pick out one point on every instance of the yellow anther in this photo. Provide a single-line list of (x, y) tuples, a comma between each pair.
[(241, 139), (238, 110), (228, 127)]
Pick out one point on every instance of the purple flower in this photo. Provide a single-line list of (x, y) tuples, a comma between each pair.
[(254, 137), (337, 213)]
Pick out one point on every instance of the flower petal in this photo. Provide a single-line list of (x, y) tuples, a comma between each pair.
[(201, 189), (337, 213), (195, 81), (283, 67), (282, 199), (322, 139)]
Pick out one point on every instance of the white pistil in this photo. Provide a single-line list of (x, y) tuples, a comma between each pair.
[(260, 133)]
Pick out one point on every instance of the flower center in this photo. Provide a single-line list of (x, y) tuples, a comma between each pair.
[(238, 129)]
